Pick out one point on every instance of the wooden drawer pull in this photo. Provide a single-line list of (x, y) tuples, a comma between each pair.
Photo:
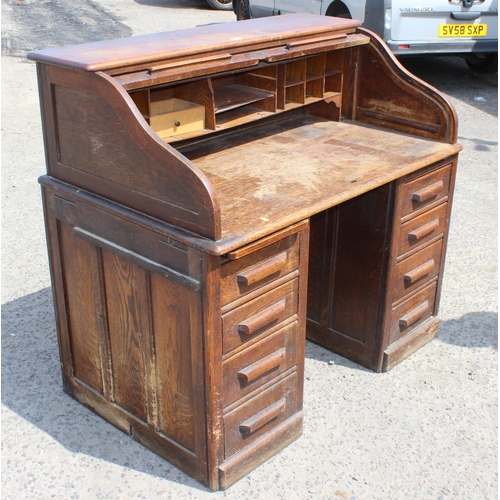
[(264, 365), (262, 418), (263, 318), (424, 230), (427, 192), (419, 272), (262, 270), (413, 316)]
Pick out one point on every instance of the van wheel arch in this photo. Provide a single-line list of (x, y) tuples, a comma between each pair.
[(338, 9)]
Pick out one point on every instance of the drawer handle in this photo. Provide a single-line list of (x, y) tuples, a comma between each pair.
[(424, 230), (262, 418), (263, 270), (427, 192), (263, 318), (419, 272), (265, 365), (413, 316)]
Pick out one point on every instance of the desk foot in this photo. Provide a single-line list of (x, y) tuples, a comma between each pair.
[(410, 343), (261, 450)]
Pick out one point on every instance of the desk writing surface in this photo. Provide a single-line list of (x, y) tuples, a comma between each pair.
[(272, 176)]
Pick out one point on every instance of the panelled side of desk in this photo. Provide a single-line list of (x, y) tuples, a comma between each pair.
[(198, 357)]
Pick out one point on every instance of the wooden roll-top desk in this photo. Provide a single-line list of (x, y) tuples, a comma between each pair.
[(215, 194)]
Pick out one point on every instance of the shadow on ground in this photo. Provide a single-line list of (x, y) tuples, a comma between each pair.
[(176, 4), (32, 387)]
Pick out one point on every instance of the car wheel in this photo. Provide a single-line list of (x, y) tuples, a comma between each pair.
[(242, 10), (221, 4), (338, 9), (483, 62)]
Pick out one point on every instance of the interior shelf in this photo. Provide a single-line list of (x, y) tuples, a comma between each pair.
[(183, 111), (235, 96), (238, 116), (292, 81), (331, 72)]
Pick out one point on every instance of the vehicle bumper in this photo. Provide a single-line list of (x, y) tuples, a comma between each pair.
[(455, 47)]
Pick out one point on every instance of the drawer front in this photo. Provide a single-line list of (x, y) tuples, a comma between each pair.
[(259, 315), (259, 415), (416, 270), (263, 361), (242, 276), (425, 190), (412, 312), (173, 117), (423, 228)]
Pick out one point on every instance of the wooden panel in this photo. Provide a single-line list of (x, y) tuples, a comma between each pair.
[(241, 277), (321, 259), (128, 323), (117, 230), (425, 190), (347, 275), (412, 312), (415, 270), (80, 297), (259, 315), (99, 131), (259, 415), (172, 309), (423, 228), (358, 264), (265, 360), (391, 97), (94, 145)]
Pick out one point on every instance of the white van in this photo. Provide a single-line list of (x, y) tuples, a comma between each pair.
[(465, 27)]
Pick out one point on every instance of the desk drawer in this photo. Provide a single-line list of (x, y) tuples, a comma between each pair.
[(242, 276), (423, 228), (412, 312), (425, 190), (246, 371), (414, 271), (259, 315), (259, 415)]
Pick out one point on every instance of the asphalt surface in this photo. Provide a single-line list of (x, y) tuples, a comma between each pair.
[(425, 430)]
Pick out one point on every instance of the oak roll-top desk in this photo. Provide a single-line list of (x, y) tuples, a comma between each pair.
[(210, 195)]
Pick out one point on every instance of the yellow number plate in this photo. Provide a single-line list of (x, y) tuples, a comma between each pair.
[(462, 30)]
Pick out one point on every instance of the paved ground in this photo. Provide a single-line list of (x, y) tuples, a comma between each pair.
[(426, 430)]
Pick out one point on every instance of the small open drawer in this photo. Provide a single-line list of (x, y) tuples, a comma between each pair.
[(172, 117)]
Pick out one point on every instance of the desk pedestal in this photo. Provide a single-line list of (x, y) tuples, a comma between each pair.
[(376, 265)]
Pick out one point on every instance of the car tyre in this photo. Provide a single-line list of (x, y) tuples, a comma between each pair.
[(338, 9), (221, 4), (242, 10), (483, 62)]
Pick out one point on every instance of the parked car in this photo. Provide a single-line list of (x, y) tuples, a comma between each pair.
[(463, 27)]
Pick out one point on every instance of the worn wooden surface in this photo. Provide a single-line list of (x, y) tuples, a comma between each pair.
[(233, 37), (301, 166)]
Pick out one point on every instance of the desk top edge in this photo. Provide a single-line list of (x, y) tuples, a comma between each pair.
[(131, 51)]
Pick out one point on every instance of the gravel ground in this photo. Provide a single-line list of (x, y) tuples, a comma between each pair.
[(426, 430)]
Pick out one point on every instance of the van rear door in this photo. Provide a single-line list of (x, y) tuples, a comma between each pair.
[(447, 26)]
